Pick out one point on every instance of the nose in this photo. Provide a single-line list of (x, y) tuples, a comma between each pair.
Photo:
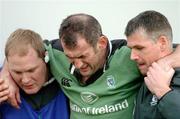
[(25, 78), (134, 55), (78, 63)]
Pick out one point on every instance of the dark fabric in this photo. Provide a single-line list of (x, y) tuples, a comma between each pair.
[(168, 107), (43, 97), (55, 109)]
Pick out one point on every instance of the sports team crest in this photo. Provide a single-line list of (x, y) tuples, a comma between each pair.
[(110, 81)]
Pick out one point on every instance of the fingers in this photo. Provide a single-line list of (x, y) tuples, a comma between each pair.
[(151, 72), (3, 87), (18, 98), (171, 73), (1, 80), (158, 79), (4, 91), (149, 82), (161, 66), (12, 100), (4, 98), (156, 66)]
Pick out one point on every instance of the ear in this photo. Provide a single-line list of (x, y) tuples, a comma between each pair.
[(102, 42), (162, 42)]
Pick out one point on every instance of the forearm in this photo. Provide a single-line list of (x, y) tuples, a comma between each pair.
[(4, 70), (174, 59), (169, 105), (13, 90), (4, 88)]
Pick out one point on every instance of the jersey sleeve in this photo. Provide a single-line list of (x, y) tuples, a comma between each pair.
[(169, 104)]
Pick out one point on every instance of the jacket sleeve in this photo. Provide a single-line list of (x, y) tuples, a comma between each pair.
[(55, 43), (169, 105)]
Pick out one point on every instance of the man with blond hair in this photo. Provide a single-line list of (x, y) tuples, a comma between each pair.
[(41, 95)]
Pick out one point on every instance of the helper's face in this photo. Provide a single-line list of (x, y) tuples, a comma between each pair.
[(85, 57), (28, 71), (144, 50)]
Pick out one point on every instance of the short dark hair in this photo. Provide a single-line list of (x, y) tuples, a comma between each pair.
[(79, 25), (152, 22)]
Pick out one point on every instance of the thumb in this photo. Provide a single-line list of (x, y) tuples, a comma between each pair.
[(12, 100), (18, 97), (171, 72)]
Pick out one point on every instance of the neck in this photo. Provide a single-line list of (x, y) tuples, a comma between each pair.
[(166, 53), (84, 79)]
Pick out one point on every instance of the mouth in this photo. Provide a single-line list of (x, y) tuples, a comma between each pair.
[(141, 65), (28, 86), (84, 69)]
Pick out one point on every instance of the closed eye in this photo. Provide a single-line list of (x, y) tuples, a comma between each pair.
[(138, 47), (17, 72)]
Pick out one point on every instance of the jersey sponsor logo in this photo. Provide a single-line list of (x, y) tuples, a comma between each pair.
[(110, 81), (66, 82), (100, 110), (154, 100), (89, 97)]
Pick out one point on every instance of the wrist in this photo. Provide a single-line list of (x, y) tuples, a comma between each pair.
[(162, 92)]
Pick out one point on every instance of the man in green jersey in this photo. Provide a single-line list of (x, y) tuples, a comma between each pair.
[(149, 35), (96, 74), (90, 70)]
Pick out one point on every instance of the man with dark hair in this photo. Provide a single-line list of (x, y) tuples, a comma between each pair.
[(149, 35), (104, 81), (97, 75), (93, 76)]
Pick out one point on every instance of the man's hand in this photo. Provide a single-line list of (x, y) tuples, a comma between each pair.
[(173, 59), (13, 90), (158, 79), (4, 91), (9, 86)]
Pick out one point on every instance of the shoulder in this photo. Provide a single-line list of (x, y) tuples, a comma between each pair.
[(117, 44), (55, 43)]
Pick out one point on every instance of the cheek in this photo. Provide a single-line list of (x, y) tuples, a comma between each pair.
[(40, 75), (150, 58), (70, 60), (90, 60), (146, 54)]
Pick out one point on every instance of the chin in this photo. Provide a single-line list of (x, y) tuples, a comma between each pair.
[(31, 91), (83, 73), (143, 72)]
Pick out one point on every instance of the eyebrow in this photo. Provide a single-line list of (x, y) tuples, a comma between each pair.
[(75, 57), (27, 70)]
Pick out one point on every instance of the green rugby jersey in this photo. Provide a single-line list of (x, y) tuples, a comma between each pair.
[(112, 95)]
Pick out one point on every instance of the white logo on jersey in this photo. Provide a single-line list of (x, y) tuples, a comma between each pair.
[(89, 97), (104, 109), (110, 81), (154, 100)]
